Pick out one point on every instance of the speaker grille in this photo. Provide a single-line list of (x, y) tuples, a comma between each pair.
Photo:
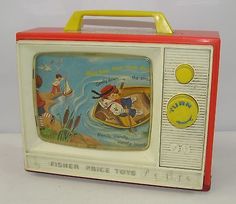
[(184, 148)]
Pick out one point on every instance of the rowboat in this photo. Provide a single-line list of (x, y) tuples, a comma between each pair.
[(141, 103)]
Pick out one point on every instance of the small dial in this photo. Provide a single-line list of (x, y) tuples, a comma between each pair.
[(182, 111), (184, 73)]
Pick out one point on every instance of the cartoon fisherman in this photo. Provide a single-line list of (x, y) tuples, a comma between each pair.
[(109, 98)]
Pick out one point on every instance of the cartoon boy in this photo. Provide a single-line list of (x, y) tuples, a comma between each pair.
[(41, 103), (56, 84), (109, 98)]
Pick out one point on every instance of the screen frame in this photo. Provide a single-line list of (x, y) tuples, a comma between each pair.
[(31, 51)]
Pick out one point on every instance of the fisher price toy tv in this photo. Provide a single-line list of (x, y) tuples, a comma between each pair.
[(134, 107)]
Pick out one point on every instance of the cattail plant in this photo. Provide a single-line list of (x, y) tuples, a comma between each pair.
[(69, 126), (77, 121), (67, 131), (66, 116)]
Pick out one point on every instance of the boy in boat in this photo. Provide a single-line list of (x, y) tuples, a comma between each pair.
[(56, 85), (110, 99)]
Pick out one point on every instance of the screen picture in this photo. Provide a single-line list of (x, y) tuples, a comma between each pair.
[(90, 100)]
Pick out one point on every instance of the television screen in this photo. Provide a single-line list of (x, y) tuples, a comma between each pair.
[(93, 100)]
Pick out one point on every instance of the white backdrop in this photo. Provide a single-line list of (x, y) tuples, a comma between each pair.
[(216, 15)]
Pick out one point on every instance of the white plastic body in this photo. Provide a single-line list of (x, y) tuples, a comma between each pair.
[(165, 162)]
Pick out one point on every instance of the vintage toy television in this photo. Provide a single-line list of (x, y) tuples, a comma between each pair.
[(128, 107)]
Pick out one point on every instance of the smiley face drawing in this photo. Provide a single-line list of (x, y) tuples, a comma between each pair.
[(182, 111)]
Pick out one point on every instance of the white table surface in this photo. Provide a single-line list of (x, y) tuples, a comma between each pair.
[(18, 186)]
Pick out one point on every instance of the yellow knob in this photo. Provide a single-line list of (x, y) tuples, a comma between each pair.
[(184, 73), (182, 111)]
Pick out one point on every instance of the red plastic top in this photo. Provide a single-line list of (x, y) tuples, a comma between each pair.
[(179, 36)]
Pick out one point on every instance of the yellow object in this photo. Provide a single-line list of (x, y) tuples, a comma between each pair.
[(161, 23), (127, 121), (182, 111), (184, 73)]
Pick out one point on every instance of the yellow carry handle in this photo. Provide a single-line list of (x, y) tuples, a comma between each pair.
[(161, 23)]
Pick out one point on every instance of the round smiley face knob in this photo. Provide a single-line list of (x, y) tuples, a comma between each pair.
[(182, 111)]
